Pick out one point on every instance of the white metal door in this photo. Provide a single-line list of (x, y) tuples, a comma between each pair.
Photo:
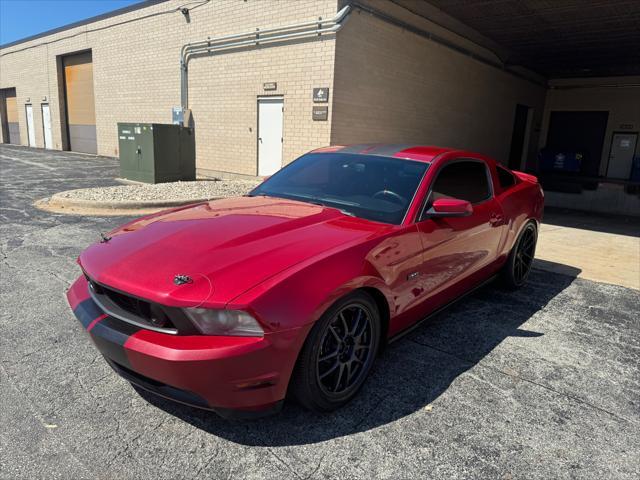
[(623, 147), (270, 115), (30, 127), (46, 126)]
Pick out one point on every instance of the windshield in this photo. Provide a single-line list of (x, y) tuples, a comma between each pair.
[(367, 186)]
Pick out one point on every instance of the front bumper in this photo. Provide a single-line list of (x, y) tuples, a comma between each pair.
[(234, 376)]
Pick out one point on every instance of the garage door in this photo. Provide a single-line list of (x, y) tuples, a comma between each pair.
[(81, 114), (11, 108)]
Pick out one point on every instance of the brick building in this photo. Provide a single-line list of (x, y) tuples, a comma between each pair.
[(396, 71)]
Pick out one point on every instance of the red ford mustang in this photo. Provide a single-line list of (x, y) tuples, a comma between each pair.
[(228, 305)]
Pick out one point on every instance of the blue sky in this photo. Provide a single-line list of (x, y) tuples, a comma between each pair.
[(22, 18)]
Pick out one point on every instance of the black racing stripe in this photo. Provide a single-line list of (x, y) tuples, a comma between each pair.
[(87, 311), (390, 149), (357, 148), (110, 335), (112, 351), (114, 330)]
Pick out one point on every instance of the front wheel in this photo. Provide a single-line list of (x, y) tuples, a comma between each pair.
[(516, 271), (338, 354)]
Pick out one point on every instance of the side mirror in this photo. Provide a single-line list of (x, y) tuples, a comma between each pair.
[(449, 207)]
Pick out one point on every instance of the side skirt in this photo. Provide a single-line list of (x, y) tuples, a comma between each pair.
[(410, 329)]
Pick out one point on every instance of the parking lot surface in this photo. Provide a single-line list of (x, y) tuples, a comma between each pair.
[(540, 383)]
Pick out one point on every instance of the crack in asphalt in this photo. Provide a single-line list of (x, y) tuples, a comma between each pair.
[(207, 462), (317, 467), (64, 281), (287, 466)]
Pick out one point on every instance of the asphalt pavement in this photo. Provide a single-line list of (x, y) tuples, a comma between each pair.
[(540, 383)]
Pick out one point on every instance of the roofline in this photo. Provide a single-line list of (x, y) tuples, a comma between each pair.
[(103, 16)]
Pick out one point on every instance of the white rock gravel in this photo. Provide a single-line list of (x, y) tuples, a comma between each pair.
[(161, 192)]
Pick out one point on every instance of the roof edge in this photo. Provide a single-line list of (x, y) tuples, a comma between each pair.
[(114, 13)]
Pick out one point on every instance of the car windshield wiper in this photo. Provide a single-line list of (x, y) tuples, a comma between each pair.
[(346, 212), (341, 202), (322, 202)]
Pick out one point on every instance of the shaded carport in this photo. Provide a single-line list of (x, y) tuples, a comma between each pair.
[(588, 54)]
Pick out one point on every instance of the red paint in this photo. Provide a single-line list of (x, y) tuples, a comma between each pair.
[(96, 320), (452, 206), (219, 368), (286, 262), (77, 293)]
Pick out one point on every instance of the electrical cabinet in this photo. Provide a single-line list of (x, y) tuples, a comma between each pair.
[(156, 153)]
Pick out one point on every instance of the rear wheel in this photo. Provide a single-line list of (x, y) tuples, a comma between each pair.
[(338, 354), (518, 266)]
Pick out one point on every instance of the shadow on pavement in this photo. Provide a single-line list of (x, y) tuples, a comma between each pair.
[(597, 222), (410, 374)]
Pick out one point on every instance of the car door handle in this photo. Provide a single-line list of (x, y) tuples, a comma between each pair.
[(413, 275), (496, 219)]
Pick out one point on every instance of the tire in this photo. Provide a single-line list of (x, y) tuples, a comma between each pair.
[(331, 368), (518, 267)]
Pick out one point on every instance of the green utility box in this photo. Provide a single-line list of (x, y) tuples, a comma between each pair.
[(156, 152)]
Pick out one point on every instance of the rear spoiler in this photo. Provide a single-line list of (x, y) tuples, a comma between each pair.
[(525, 177)]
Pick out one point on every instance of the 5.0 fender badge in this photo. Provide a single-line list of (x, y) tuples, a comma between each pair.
[(182, 279)]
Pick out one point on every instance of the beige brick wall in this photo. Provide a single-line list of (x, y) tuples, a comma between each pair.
[(392, 85), (137, 76)]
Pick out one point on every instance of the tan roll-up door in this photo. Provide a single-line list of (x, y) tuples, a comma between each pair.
[(80, 103)]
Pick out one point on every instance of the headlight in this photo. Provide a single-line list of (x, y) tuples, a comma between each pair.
[(224, 322)]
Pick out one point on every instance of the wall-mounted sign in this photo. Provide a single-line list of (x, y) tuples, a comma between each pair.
[(320, 95), (270, 85), (320, 113), (626, 126)]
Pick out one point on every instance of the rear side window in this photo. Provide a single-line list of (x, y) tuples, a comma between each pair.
[(465, 180), (505, 178)]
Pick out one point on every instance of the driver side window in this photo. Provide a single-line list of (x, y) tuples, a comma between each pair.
[(463, 179)]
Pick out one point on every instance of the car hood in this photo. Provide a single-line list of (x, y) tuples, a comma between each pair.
[(224, 246)]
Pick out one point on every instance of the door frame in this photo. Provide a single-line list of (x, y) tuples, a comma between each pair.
[(523, 152), (528, 130), (44, 130), (4, 123), (622, 132), (265, 97), (30, 126), (423, 205)]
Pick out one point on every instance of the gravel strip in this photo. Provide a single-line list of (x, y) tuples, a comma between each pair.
[(161, 192)]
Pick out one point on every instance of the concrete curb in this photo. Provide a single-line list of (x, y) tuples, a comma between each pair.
[(58, 199), (59, 204)]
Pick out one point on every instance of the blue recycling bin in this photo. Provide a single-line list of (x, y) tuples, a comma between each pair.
[(556, 161)]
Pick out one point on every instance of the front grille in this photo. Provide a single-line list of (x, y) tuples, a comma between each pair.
[(136, 306), (140, 312)]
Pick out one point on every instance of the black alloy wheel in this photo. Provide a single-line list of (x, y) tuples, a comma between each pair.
[(338, 353), (520, 260), (345, 349)]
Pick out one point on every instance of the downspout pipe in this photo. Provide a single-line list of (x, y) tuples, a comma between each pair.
[(255, 38)]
